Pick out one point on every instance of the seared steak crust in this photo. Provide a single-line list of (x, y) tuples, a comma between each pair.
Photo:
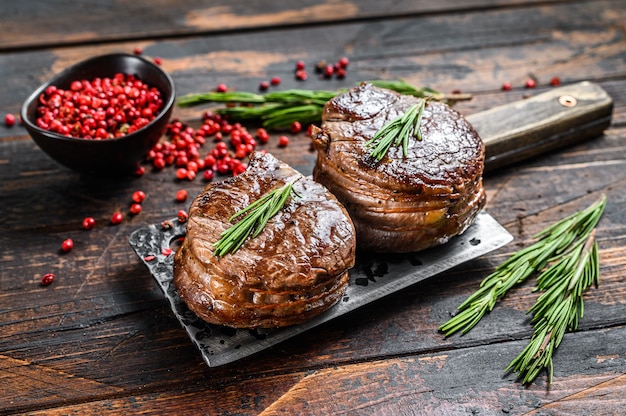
[(293, 270), (400, 204)]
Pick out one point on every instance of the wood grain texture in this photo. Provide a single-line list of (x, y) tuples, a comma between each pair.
[(442, 383), (102, 338), (41, 23)]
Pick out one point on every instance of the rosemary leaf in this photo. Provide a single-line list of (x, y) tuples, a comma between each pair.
[(255, 217), (397, 132)]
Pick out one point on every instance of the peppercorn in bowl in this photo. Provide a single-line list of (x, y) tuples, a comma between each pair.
[(101, 115)]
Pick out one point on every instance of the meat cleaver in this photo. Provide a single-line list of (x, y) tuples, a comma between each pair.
[(511, 132)]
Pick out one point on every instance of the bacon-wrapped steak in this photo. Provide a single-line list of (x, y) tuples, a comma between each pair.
[(400, 204), (296, 268)]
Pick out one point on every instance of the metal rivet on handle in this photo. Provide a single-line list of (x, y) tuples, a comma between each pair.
[(567, 101)]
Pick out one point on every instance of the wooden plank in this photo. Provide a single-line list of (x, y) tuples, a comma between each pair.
[(43, 23), (439, 383), (26, 382)]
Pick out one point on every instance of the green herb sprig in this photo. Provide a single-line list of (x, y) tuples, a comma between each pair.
[(559, 308), (398, 131), (566, 256), (256, 217), (279, 109), (276, 110), (405, 88)]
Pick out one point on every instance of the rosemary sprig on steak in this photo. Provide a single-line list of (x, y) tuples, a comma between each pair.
[(405, 88), (397, 132), (566, 256), (256, 216)]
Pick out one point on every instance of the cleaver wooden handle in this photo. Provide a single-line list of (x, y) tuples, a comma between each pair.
[(553, 119)]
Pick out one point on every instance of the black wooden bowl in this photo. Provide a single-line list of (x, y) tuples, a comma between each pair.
[(115, 156)]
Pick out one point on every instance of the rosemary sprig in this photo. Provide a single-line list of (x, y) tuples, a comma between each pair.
[(559, 308), (397, 131), (405, 88), (277, 110), (553, 241), (566, 256), (256, 216), (241, 97)]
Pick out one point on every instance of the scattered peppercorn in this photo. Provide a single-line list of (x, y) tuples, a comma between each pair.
[(181, 173), (181, 195), (137, 51), (135, 209), (300, 65), (67, 245), (343, 62), (507, 86), (182, 215), (157, 60), (167, 251), (9, 120), (283, 141), (47, 279), (531, 83), (275, 81), (89, 223), (264, 85), (192, 166), (329, 70), (262, 135), (149, 257), (555, 81), (139, 196), (117, 218), (301, 75), (208, 175), (221, 88), (296, 127), (240, 168)]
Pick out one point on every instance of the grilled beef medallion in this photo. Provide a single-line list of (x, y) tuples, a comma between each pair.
[(400, 204), (296, 268)]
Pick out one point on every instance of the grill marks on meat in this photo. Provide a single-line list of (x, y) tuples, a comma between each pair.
[(400, 204), (296, 268)]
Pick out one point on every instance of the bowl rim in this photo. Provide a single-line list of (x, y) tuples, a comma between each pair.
[(167, 105)]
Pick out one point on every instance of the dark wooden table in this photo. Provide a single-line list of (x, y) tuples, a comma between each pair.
[(103, 339)]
